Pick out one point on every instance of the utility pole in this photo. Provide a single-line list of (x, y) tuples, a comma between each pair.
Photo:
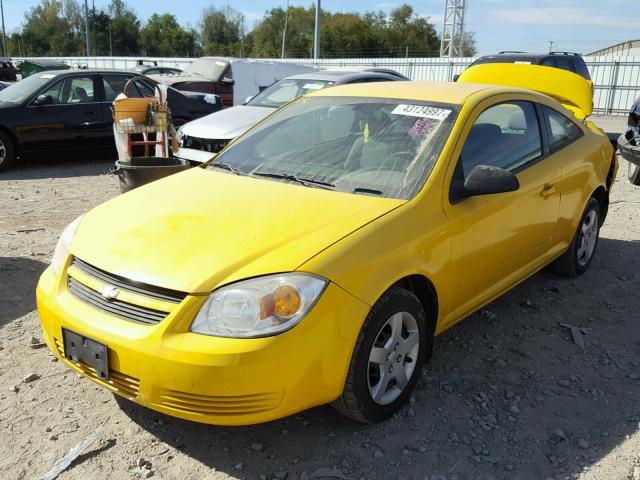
[(4, 35), (284, 33), (551, 43), (110, 44), (93, 19), (86, 26), (316, 36)]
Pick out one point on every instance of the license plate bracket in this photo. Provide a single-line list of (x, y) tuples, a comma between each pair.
[(80, 348)]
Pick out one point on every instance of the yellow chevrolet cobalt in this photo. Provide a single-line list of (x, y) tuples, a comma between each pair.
[(315, 258)]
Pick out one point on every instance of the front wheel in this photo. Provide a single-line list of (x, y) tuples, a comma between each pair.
[(387, 359), (634, 173), (576, 260), (7, 152)]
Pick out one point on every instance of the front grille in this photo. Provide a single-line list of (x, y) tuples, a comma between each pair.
[(152, 291), (220, 404), (118, 382), (122, 309), (204, 144)]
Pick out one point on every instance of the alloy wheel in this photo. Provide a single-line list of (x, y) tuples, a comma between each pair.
[(393, 358), (3, 151), (588, 237)]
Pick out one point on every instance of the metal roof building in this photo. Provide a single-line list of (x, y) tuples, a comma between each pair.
[(629, 48)]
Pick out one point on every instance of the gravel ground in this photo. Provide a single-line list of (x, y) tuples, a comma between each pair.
[(508, 395)]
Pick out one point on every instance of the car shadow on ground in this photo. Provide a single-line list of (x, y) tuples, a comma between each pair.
[(72, 165), (18, 279), (508, 395)]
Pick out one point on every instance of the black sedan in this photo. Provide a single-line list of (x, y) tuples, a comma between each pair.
[(61, 111)]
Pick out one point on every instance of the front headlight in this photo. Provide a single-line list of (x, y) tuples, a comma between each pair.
[(259, 307), (180, 136), (62, 248)]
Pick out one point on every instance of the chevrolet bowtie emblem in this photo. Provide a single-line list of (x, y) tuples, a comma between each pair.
[(109, 293)]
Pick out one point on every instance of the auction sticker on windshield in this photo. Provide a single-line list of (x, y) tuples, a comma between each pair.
[(421, 111)]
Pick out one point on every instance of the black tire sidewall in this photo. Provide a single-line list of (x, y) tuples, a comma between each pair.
[(633, 173), (394, 301), (592, 204), (9, 149)]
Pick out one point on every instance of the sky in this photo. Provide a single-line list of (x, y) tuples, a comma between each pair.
[(574, 25)]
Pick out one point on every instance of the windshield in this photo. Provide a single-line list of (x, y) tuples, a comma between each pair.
[(20, 91), (359, 145), (209, 68), (286, 90)]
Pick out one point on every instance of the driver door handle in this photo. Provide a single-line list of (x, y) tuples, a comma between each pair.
[(548, 190)]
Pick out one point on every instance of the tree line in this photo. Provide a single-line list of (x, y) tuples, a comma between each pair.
[(57, 28)]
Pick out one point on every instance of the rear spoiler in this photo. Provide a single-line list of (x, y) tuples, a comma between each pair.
[(570, 89)]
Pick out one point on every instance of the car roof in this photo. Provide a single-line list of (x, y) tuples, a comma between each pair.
[(342, 76), (440, 92)]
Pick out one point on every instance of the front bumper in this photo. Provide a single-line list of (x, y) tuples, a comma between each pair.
[(210, 379), (193, 155)]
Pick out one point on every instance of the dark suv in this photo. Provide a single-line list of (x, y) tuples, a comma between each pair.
[(572, 62)]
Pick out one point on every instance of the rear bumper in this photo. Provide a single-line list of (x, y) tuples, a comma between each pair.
[(210, 379)]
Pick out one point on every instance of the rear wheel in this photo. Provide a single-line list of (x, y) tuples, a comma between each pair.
[(387, 360), (576, 260), (634, 173), (7, 152)]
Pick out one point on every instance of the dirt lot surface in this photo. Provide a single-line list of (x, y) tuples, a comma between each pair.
[(508, 395)]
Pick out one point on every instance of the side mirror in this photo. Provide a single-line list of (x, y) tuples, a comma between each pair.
[(456, 77), (43, 100), (485, 180), (228, 81)]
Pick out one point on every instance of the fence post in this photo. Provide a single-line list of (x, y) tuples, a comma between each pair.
[(612, 86), (450, 72)]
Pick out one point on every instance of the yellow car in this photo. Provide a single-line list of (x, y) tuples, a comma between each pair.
[(314, 259)]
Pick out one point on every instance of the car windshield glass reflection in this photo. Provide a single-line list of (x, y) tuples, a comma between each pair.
[(20, 91), (366, 146), (286, 90)]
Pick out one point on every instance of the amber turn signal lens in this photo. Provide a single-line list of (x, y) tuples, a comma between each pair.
[(287, 301), (284, 302)]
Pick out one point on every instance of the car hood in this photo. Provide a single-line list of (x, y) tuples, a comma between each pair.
[(226, 124), (200, 229)]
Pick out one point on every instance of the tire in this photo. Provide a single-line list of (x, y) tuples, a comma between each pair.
[(634, 173), (371, 392), (7, 152), (178, 122), (576, 260)]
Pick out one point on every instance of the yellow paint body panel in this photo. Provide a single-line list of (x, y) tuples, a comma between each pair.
[(568, 88), (199, 230)]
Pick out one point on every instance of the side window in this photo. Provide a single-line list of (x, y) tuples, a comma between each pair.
[(140, 89), (548, 62), (71, 90), (506, 135), (561, 130), (564, 63), (113, 86)]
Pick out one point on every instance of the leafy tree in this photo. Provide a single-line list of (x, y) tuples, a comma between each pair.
[(162, 35), (222, 31), (125, 28), (469, 48), (51, 28)]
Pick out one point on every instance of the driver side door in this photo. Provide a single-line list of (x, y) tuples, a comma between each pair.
[(499, 239), (72, 120)]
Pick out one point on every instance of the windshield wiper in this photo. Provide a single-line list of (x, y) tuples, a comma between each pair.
[(307, 182), (228, 166), (371, 191)]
